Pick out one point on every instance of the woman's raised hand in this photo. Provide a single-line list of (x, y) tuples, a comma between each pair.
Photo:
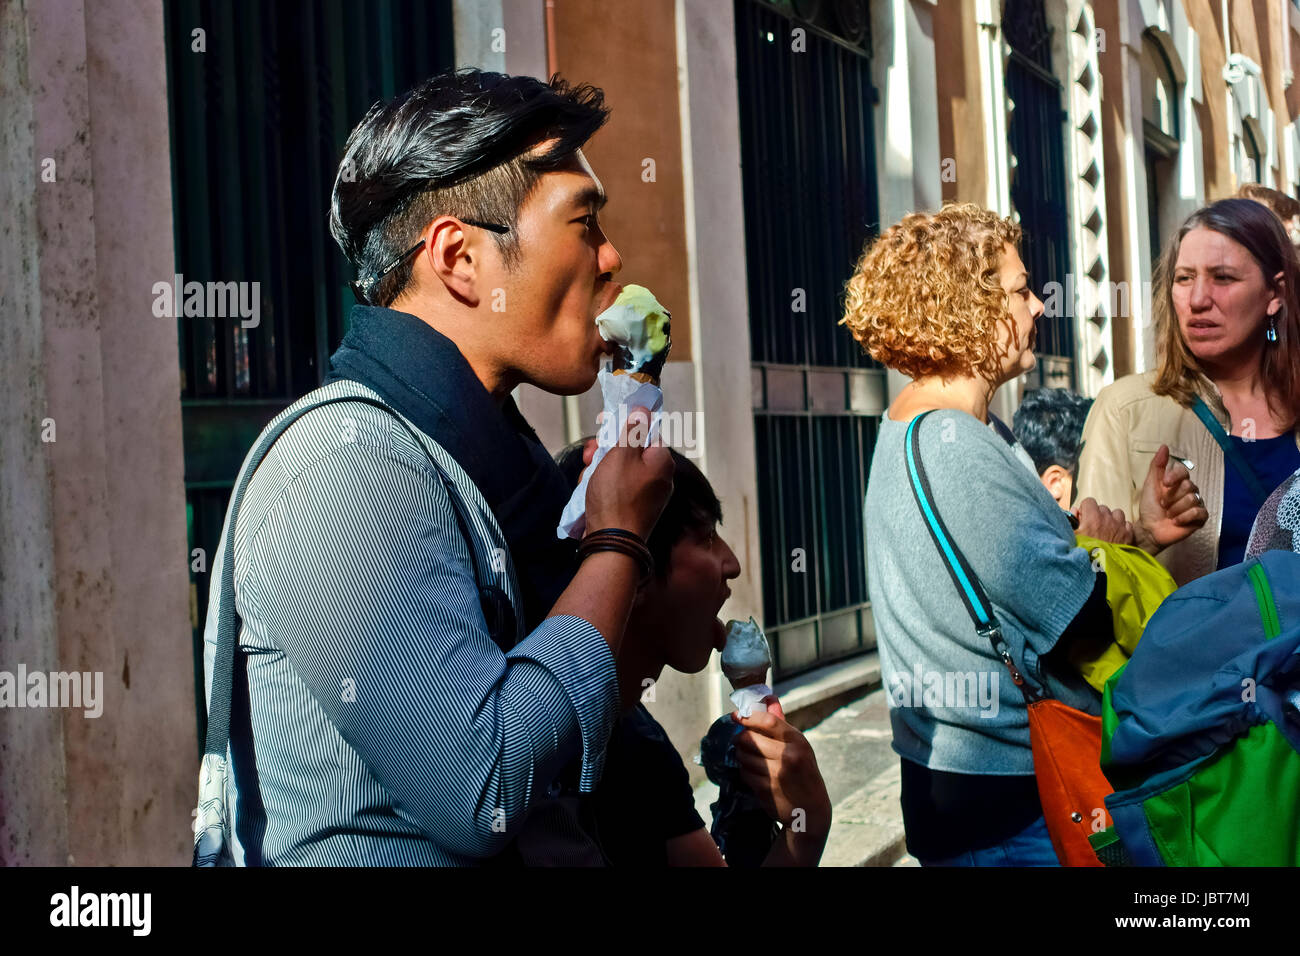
[(1170, 507)]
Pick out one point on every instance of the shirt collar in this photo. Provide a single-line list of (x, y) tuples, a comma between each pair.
[(424, 376)]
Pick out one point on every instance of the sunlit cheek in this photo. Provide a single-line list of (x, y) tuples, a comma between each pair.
[(1247, 317), (1239, 310)]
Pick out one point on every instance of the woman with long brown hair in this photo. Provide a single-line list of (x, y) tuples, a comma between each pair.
[(1226, 394)]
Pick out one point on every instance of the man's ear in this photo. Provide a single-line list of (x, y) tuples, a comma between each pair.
[(1053, 478), (451, 256)]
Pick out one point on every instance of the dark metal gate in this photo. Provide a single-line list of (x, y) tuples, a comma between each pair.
[(1036, 135), (808, 162), (261, 102)]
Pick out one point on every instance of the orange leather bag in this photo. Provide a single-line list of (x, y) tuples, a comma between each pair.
[(1071, 787)]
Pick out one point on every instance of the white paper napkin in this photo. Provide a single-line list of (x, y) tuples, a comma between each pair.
[(621, 394)]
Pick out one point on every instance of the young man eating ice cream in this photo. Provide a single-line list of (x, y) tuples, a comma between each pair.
[(424, 673), (644, 809)]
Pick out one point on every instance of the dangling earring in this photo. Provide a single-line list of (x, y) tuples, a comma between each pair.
[(1271, 334)]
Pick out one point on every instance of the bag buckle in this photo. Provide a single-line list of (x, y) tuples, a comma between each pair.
[(993, 633)]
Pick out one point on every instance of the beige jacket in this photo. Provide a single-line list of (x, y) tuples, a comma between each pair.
[(1126, 427)]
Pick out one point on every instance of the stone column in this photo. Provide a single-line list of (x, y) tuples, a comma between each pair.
[(907, 123), (907, 127), (715, 233), (92, 514)]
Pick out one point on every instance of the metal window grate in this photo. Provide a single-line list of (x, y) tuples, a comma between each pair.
[(811, 486), (808, 165), (258, 121), (1036, 134)]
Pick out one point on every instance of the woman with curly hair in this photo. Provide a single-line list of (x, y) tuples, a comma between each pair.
[(1226, 393), (944, 298)]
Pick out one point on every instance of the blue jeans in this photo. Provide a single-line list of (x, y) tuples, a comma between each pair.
[(1030, 847)]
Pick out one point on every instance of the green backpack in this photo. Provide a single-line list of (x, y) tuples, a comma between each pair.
[(1201, 728)]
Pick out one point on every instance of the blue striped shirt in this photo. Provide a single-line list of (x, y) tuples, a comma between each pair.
[(378, 723)]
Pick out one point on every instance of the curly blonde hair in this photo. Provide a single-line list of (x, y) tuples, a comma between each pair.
[(926, 297)]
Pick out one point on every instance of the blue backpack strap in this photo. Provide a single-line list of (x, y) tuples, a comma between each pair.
[(1230, 452), (963, 576)]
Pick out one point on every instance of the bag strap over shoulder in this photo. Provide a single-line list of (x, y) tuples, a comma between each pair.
[(497, 610), (1231, 452), (963, 576)]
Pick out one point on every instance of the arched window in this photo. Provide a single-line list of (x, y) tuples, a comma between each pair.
[(1160, 130), (1159, 90), (848, 20)]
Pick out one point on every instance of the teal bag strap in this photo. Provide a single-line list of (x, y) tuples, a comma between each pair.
[(1230, 451), (963, 575)]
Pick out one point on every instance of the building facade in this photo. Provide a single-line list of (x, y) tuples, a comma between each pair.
[(754, 146)]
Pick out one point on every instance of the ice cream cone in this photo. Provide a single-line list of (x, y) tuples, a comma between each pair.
[(747, 655), (741, 679), (642, 329), (645, 377)]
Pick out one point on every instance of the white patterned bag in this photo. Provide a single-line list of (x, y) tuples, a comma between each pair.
[(212, 828)]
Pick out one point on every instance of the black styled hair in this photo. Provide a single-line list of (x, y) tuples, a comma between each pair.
[(462, 143), (692, 505), (1049, 425)]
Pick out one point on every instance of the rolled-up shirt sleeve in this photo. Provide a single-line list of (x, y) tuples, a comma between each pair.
[(361, 573)]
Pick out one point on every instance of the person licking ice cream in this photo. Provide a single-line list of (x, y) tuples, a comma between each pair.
[(747, 656), (641, 328), (644, 806)]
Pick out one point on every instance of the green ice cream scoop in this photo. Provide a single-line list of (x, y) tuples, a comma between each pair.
[(641, 327)]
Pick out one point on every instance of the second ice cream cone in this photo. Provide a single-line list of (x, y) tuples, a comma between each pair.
[(747, 678)]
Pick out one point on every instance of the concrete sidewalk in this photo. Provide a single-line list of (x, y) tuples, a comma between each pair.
[(862, 779)]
